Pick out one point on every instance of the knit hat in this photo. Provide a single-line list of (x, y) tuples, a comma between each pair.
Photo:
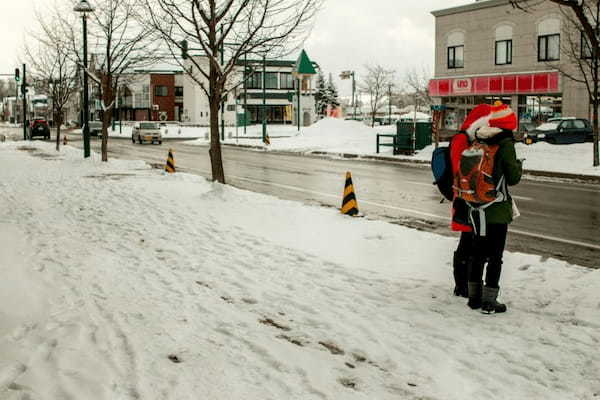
[(485, 121)]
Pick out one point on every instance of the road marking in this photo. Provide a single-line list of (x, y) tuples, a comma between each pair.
[(416, 212)]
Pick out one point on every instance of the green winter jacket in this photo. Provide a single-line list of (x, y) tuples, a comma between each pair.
[(506, 164)]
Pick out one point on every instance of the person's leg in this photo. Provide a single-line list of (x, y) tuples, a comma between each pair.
[(495, 249), (460, 264), (476, 271)]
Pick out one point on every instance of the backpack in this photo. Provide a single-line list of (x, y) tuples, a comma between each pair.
[(474, 181), (441, 167)]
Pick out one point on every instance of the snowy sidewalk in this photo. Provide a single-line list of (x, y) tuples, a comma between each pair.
[(109, 269)]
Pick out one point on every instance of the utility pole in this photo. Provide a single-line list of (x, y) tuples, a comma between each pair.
[(390, 103), (86, 99), (353, 95), (246, 91), (264, 107), (298, 110), (24, 93), (222, 100)]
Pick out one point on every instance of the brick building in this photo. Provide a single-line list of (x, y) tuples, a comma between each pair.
[(151, 96), (487, 51)]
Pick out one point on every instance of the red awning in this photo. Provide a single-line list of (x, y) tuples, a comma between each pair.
[(535, 83)]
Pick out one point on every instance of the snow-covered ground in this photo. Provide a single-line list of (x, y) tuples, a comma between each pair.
[(351, 137), (177, 131), (121, 282)]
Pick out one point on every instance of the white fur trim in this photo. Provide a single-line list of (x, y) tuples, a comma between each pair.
[(487, 132), (477, 125)]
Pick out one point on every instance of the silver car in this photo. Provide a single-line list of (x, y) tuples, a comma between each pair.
[(146, 132)]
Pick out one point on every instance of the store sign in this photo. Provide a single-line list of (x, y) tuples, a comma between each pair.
[(460, 86), (513, 84)]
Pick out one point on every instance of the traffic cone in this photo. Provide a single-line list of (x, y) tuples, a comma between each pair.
[(349, 204), (65, 140), (170, 167), (267, 140)]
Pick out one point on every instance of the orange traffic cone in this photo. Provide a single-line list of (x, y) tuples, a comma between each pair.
[(349, 204)]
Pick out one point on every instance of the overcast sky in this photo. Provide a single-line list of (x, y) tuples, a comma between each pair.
[(398, 34)]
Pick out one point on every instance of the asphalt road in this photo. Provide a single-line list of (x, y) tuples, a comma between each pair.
[(558, 219)]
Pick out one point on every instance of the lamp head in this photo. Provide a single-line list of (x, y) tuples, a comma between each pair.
[(83, 7)]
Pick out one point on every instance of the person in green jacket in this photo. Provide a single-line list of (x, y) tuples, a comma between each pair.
[(490, 248)]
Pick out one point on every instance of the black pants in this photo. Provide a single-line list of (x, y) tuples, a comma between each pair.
[(465, 245), (489, 248)]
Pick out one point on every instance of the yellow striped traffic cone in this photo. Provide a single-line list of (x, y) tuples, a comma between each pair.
[(170, 167), (267, 140), (349, 204)]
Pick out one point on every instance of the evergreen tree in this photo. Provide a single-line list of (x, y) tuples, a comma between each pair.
[(322, 96), (333, 99)]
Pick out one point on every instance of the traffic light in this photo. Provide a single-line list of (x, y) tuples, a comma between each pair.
[(17, 75), (184, 49)]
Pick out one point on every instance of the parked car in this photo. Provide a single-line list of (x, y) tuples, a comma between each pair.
[(561, 131), (95, 128), (146, 132), (39, 127)]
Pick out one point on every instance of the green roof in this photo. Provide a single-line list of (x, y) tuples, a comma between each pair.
[(304, 65)]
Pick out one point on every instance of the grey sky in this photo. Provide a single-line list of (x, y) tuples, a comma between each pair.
[(398, 34)]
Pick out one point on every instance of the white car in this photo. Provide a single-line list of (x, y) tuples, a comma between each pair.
[(146, 132)]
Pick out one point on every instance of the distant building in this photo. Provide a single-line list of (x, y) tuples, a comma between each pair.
[(148, 96), (280, 95), (487, 51)]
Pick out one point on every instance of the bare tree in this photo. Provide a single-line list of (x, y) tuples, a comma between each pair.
[(225, 32), (118, 45), (53, 71), (375, 85), (583, 20), (418, 83)]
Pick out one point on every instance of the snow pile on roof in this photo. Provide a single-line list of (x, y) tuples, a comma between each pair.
[(120, 282)]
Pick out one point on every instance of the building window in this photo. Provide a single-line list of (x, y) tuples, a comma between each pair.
[(503, 52), (161, 91), (287, 80), (271, 80), (142, 100), (254, 81), (549, 47), (586, 48), (178, 91), (456, 57)]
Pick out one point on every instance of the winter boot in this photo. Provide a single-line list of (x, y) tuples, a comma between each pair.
[(489, 304), (461, 268), (474, 295)]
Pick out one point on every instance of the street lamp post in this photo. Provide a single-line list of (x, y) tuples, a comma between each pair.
[(347, 75), (84, 7)]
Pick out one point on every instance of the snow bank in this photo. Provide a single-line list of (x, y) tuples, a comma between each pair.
[(353, 137), (121, 283)]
